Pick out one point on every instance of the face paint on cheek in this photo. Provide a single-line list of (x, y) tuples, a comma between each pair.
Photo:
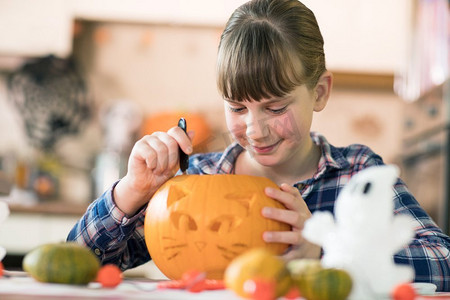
[(287, 127), (236, 130), (239, 134)]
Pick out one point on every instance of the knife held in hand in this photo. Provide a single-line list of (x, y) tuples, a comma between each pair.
[(184, 158)]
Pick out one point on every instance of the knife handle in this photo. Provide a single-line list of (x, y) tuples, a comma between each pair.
[(184, 158)]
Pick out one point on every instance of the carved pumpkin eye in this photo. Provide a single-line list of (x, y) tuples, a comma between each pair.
[(225, 224), (183, 222), (244, 199), (176, 194)]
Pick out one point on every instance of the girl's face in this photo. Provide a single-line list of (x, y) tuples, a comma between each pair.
[(275, 130)]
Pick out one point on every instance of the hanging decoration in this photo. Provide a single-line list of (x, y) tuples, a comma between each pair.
[(51, 97)]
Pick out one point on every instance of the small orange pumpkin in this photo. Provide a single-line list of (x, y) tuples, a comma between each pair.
[(202, 222), (165, 120)]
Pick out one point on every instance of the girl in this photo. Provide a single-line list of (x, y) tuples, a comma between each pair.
[(272, 75)]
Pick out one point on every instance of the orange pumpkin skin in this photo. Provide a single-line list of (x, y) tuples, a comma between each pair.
[(202, 222), (196, 122)]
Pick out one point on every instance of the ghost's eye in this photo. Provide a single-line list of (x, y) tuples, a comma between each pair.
[(367, 188)]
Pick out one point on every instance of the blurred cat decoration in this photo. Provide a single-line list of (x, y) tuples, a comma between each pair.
[(4, 213), (52, 98), (365, 234)]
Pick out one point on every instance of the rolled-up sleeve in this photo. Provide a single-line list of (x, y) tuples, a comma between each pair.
[(112, 235), (428, 253)]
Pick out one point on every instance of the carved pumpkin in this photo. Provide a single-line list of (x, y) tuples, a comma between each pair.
[(202, 222)]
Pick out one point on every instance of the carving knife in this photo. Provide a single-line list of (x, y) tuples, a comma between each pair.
[(184, 158)]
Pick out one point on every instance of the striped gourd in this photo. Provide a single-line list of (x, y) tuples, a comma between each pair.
[(68, 263), (326, 284)]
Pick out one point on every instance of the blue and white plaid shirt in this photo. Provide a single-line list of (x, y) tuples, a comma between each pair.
[(119, 239)]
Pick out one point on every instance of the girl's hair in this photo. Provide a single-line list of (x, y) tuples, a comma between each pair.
[(268, 48)]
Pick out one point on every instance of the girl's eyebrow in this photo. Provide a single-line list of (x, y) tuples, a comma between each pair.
[(278, 100), (274, 100), (268, 101)]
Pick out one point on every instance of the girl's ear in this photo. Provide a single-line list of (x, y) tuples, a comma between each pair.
[(322, 90)]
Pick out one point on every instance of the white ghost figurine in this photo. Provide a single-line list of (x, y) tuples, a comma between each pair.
[(365, 234), (4, 213)]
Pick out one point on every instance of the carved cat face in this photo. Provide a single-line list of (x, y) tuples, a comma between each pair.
[(202, 222)]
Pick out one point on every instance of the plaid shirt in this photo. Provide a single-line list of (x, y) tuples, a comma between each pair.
[(119, 239)]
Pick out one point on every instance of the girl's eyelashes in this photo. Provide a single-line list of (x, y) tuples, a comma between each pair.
[(278, 111), (236, 109)]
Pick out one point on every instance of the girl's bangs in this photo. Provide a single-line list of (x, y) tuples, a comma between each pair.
[(257, 65)]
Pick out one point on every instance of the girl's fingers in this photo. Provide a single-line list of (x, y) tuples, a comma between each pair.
[(283, 215), (295, 214), (159, 151), (290, 189), (144, 153), (285, 198), (191, 134), (172, 149), (285, 237), (288, 195), (162, 154), (182, 139)]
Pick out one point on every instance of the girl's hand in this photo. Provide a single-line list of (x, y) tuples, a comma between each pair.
[(295, 214), (153, 160)]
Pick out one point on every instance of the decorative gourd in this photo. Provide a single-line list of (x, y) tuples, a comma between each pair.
[(202, 222), (324, 284), (68, 263), (258, 264), (165, 120), (301, 267)]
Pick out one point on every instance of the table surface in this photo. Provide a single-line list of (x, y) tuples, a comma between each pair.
[(26, 288)]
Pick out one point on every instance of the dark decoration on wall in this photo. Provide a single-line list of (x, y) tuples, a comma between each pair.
[(52, 99)]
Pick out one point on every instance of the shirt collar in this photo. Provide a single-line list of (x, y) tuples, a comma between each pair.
[(227, 161), (331, 157)]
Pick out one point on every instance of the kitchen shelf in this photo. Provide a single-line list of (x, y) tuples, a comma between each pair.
[(50, 207), (361, 80)]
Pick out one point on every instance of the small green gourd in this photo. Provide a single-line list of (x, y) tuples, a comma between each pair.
[(325, 284), (67, 263)]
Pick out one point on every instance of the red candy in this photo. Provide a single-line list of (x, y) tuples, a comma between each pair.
[(259, 289), (403, 291), (193, 281), (293, 293), (109, 276)]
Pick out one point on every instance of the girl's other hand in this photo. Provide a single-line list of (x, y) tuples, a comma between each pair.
[(295, 214), (153, 160)]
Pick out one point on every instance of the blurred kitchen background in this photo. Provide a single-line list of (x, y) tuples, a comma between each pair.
[(82, 80)]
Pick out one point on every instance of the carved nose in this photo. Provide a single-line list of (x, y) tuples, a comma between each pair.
[(200, 245)]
